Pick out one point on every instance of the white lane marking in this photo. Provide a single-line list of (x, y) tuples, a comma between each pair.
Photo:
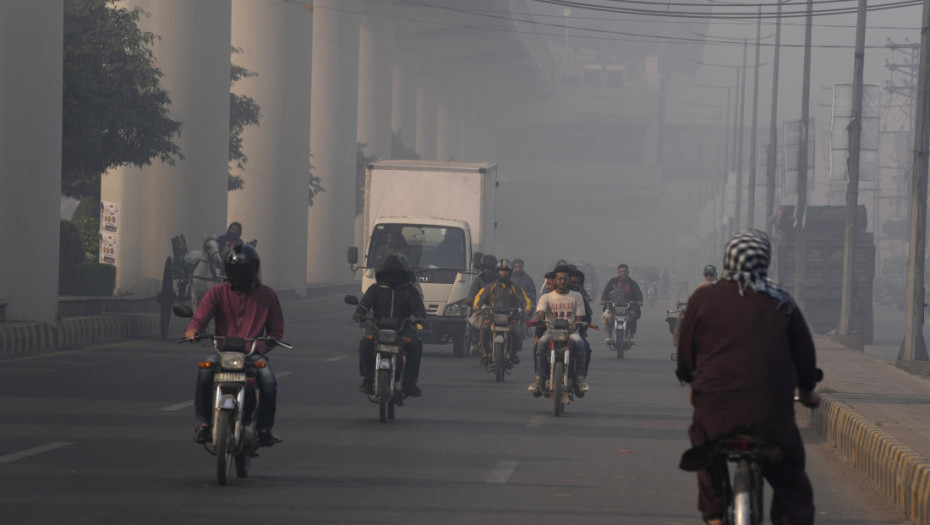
[(536, 421), (282, 374), (176, 406), (502, 472), (337, 358), (9, 458)]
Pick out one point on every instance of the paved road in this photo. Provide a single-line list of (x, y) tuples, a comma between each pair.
[(102, 434)]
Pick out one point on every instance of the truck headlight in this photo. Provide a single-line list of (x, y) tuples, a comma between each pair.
[(457, 310)]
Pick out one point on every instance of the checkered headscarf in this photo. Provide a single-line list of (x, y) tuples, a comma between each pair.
[(746, 262)]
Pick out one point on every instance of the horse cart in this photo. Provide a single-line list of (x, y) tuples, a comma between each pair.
[(187, 276)]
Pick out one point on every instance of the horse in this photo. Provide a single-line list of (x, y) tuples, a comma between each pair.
[(203, 269)]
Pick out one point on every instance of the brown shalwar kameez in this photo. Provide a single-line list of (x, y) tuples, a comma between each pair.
[(747, 358)]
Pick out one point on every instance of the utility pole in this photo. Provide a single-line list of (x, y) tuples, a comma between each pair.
[(751, 193), (846, 329), (800, 270), (913, 348), (773, 134), (739, 147)]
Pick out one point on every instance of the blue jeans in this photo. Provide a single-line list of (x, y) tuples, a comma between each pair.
[(542, 354), (267, 388)]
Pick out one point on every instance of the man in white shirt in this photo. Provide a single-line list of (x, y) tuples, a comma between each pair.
[(561, 303)]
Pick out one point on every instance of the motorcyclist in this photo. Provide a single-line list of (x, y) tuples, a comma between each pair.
[(503, 294), (523, 280), (487, 276), (576, 284), (624, 282), (561, 303), (242, 307), (710, 276), (392, 296)]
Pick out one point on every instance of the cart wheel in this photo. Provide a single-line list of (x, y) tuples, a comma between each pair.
[(166, 297)]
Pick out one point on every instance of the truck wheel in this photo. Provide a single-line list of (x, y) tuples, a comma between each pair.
[(458, 346)]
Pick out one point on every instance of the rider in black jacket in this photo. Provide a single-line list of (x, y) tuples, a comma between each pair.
[(393, 295)]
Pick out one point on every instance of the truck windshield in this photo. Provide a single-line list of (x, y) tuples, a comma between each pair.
[(423, 246)]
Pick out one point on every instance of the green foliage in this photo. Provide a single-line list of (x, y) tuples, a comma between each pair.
[(243, 111), (361, 166), (399, 150), (114, 111), (70, 250), (314, 185), (87, 220), (91, 278)]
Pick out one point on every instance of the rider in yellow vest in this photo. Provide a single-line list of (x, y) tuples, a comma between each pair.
[(503, 294)]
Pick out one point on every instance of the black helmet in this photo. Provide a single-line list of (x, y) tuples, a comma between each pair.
[(241, 266), (710, 269), (488, 261)]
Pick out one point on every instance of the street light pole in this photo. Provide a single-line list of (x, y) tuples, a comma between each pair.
[(800, 270), (739, 147), (773, 133), (751, 190)]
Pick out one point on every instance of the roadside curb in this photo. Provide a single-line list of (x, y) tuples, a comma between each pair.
[(899, 473), (20, 338)]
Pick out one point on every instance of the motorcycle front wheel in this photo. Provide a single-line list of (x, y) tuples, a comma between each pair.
[(620, 342), (244, 457), (558, 387), (498, 362), (224, 437), (385, 396)]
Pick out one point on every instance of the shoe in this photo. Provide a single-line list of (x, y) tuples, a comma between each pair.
[(582, 384), (515, 359), (608, 341), (484, 360), (367, 387), (203, 434), (473, 349), (412, 390), (266, 438), (536, 386), (632, 339)]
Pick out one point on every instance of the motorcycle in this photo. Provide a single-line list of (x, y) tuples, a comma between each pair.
[(501, 322), (560, 387), (388, 344), (235, 402), (617, 319)]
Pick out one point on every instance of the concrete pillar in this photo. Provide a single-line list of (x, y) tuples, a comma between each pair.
[(31, 39), (333, 102), (375, 78), (449, 129), (193, 53), (427, 118), (404, 92), (275, 39)]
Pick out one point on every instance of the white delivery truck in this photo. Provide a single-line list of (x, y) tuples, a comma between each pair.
[(440, 217)]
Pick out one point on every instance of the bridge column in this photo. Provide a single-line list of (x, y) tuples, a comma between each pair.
[(275, 39), (404, 91), (31, 39), (427, 118), (333, 114), (190, 197)]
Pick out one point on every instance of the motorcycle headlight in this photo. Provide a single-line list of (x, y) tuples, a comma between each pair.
[(559, 336), (387, 337), (232, 360)]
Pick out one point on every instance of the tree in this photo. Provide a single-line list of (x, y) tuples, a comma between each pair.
[(399, 150), (243, 111), (114, 111), (314, 185)]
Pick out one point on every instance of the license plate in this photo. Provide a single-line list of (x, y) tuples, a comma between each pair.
[(391, 349), (229, 377), (500, 328)]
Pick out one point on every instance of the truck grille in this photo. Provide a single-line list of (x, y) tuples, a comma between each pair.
[(432, 309)]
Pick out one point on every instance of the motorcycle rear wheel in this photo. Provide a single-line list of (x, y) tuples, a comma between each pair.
[(224, 437), (558, 386), (385, 396)]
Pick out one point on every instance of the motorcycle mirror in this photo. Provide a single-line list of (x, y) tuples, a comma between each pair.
[(352, 255), (351, 299), (476, 260), (182, 310)]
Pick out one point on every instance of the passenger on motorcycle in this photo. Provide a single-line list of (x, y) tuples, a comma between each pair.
[(624, 282), (745, 347), (242, 307), (561, 303), (576, 284), (503, 294), (523, 280), (392, 296), (487, 276)]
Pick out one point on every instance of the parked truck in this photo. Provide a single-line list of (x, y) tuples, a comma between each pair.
[(822, 294), (439, 216)]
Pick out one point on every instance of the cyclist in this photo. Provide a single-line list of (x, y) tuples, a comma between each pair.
[(745, 347)]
